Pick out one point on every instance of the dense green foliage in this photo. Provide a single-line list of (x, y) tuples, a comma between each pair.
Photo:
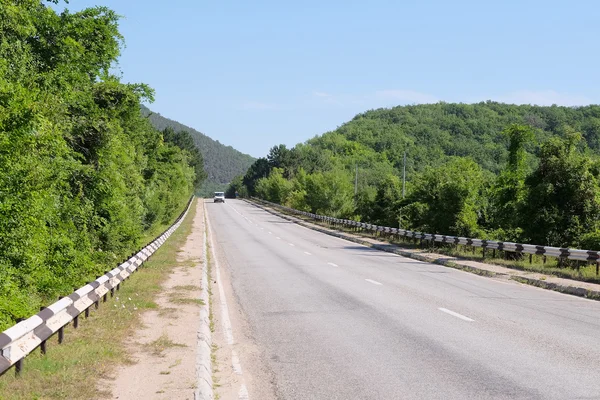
[(83, 175), (489, 170), (221, 163)]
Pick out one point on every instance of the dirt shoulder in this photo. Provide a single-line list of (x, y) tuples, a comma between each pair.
[(163, 350)]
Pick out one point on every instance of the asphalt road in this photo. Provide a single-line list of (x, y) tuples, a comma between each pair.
[(336, 320)]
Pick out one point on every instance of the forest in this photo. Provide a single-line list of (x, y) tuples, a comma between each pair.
[(84, 177), (221, 163), (520, 173)]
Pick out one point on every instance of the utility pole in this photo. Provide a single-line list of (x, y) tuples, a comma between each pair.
[(404, 176)]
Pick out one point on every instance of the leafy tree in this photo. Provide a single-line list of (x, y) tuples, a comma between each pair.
[(447, 199), (562, 203), (275, 187), (185, 141), (330, 193), (83, 176), (386, 205), (509, 192), (259, 169)]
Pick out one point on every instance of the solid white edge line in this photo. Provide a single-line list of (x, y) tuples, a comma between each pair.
[(373, 282), (455, 314), (224, 309), (243, 393)]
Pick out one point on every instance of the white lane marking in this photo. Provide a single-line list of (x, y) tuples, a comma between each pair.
[(235, 363), (332, 264), (270, 233), (224, 309), (243, 393), (373, 282), (455, 314), (292, 244), (278, 238), (307, 253), (262, 229)]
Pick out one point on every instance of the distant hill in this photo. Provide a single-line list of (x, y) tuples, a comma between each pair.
[(222, 163)]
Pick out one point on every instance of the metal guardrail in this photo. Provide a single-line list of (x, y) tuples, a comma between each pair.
[(589, 256), (24, 337)]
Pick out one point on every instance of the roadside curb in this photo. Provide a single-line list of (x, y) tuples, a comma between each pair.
[(454, 263), (204, 389)]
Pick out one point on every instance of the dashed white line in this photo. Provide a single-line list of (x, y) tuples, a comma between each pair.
[(235, 363), (455, 314), (373, 282), (332, 264), (307, 253), (243, 393), (292, 244), (278, 238), (270, 233)]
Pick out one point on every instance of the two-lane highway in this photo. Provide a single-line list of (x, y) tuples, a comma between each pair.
[(336, 320)]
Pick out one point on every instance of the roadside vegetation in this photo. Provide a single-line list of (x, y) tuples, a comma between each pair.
[(493, 171), (84, 177), (92, 352)]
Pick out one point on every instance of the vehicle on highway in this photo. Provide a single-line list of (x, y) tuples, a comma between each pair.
[(219, 197)]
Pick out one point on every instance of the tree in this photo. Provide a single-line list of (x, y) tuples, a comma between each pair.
[(274, 188), (259, 169), (330, 193), (508, 193), (386, 205), (562, 204), (447, 199)]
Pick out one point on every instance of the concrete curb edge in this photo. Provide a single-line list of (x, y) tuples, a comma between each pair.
[(204, 388)]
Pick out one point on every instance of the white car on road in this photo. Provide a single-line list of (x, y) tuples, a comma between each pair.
[(219, 197)]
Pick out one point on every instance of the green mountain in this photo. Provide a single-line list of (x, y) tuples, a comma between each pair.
[(490, 170), (222, 163)]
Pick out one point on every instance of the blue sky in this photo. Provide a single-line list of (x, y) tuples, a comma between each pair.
[(256, 74)]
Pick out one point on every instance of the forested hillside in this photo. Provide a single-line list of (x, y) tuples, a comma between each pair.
[(222, 163), (84, 177), (489, 170)]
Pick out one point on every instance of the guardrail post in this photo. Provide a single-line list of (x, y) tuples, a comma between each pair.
[(530, 258), (43, 344), (61, 334), (19, 363), (61, 330)]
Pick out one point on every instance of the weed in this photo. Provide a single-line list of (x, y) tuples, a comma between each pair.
[(158, 346)]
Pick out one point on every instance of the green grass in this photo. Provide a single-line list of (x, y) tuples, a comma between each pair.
[(92, 352)]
